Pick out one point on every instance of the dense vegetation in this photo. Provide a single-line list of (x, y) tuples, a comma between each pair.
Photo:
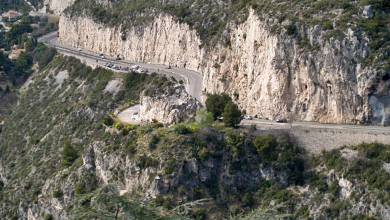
[(223, 106), (21, 37), (13, 4)]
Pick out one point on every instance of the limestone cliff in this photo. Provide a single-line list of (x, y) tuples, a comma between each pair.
[(270, 75), (56, 6)]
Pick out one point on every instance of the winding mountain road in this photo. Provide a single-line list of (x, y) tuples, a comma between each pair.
[(192, 79), (194, 87)]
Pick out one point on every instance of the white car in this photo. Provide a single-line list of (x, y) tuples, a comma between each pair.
[(135, 67), (248, 117), (134, 117), (140, 70)]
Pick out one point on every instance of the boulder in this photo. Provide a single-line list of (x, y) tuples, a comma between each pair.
[(168, 107)]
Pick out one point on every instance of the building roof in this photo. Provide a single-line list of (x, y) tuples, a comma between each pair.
[(11, 14)]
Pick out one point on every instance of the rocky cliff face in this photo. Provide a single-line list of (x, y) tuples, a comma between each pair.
[(163, 41), (56, 6), (269, 75), (172, 106)]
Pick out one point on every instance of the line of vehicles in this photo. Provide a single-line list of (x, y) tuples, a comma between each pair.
[(116, 67), (134, 68)]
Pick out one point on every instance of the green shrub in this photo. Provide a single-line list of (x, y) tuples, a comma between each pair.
[(131, 148), (23, 63), (235, 143), (80, 188), (327, 25), (43, 55), (145, 161), (216, 104), (333, 160), (375, 151), (265, 146), (154, 139), (127, 128), (170, 166), (108, 121), (231, 115), (203, 153), (69, 154), (182, 129), (118, 125), (58, 193), (291, 29), (204, 118), (318, 181), (248, 200), (165, 201), (199, 213), (48, 216)]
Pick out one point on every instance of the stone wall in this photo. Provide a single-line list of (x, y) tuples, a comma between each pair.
[(316, 140)]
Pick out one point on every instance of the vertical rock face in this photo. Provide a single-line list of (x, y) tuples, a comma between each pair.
[(162, 41), (271, 75), (268, 75), (57, 6)]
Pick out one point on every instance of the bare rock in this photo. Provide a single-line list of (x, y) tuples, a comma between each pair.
[(368, 12), (114, 86), (169, 107)]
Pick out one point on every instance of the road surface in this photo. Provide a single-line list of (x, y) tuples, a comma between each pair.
[(314, 125), (194, 87)]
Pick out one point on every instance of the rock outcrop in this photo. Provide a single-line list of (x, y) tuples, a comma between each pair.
[(168, 107), (56, 6), (269, 75)]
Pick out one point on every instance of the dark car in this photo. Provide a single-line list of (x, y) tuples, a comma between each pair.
[(281, 120)]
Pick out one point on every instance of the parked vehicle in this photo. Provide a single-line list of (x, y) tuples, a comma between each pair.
[(248, 117), (141, 70), (135, 67), (281, 120)]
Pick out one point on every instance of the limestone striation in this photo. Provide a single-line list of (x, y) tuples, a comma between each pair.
[(270, 75)]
